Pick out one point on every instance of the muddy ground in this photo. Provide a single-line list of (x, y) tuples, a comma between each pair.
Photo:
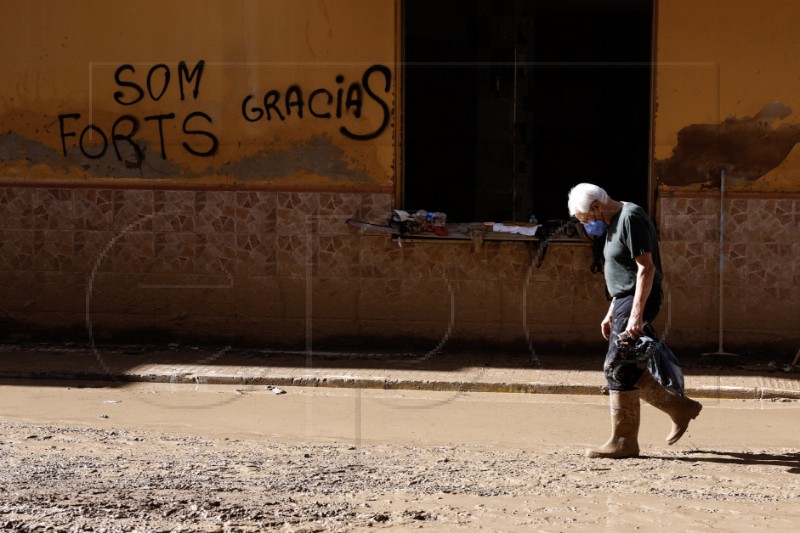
[(100, 457)]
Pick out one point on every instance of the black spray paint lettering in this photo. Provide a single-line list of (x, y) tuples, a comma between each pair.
[(157, 82), (93, 141), (282, 108), (323, 104), (387, 76), (211, 137)]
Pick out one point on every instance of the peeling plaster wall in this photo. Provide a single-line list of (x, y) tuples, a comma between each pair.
[(727, 98), (727, 95), (286, 93)]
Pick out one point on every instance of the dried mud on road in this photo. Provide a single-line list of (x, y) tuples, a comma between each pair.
[(157, 457), (80, 478)]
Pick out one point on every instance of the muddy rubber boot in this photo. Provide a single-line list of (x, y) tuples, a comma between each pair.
[(624, 441), (680, 409)]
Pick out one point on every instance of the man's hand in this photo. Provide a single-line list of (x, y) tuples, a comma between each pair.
[(634, 329), (605, 326)]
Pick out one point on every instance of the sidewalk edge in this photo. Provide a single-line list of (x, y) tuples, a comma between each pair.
[(711, 392)]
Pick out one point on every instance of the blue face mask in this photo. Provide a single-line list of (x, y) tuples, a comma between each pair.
[(595, 228)]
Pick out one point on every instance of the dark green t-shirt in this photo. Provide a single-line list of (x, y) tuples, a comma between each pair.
[(630, 234)]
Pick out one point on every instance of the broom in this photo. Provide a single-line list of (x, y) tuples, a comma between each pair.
[(720, 357)]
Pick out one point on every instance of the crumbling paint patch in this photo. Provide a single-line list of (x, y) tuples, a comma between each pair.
[(746, 148), (314, 161), (318, 155), (16, 148)]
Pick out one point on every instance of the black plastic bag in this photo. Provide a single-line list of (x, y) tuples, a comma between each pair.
[(659, 360)]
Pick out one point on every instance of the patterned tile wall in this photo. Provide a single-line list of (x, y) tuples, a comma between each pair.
[(270, 267), (761, 281)]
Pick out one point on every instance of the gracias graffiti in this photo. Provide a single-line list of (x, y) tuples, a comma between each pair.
[(93, 141), (325, 104)]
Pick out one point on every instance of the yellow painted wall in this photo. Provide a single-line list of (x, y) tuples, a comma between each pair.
[(62, 59), (727, 94)]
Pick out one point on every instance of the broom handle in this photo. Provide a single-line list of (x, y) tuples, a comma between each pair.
[(721, 252)]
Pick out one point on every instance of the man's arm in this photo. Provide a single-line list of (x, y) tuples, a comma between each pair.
[(645, 274), (605, 325)]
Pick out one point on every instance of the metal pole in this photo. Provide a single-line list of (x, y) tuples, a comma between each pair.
[(721, 255), (721, 357)]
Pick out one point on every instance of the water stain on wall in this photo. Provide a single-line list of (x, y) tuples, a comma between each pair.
[(318, 155), (15, 147), (22, 152), (746, 148)]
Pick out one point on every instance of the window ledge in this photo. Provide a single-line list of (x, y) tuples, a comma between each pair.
[(479, 232), (475, 232)]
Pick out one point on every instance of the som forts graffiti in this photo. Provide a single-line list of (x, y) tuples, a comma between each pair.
[(93, 141)]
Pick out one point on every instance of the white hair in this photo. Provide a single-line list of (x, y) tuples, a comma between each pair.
[(582, 195)]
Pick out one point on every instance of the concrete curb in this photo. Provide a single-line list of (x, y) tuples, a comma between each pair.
[(703, 391), (726, 392)]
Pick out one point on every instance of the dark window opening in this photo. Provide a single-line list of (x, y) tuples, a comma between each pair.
[(509, 103)]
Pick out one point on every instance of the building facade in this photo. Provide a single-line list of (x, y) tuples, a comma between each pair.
[(185, 172)]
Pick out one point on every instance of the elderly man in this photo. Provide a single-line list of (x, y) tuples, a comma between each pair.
[(633, 276)]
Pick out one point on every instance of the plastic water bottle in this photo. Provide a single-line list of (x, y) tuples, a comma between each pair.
[(420, 217), (438, 220)]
